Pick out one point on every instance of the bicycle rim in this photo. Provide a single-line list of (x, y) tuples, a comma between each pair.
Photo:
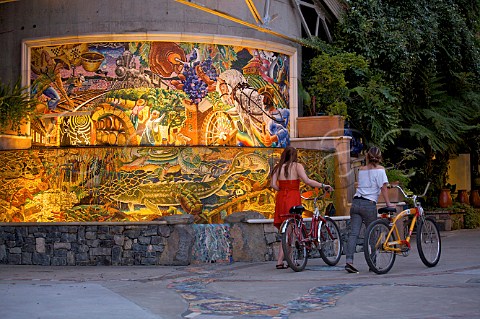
[(331, 242), (294, 250), (428, 242), (379, 260)]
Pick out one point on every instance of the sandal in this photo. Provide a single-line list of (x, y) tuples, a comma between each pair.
[(282, 266)]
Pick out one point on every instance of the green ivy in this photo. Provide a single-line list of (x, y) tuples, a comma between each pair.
[(428, 51), (428, 55)]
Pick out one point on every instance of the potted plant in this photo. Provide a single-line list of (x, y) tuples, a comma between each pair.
[(398, 177), (315, 122), (16, 107), (343, 86), (326, 84)]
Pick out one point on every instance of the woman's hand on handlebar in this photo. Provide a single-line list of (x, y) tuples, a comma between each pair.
[(328, 188)]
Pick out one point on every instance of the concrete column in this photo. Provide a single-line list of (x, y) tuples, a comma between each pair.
[(344, 179)]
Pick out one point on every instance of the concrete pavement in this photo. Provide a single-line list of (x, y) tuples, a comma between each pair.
[(251, 290)]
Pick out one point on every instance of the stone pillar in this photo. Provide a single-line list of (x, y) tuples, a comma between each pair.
[(178, 246), (344, 178), (248, 240)]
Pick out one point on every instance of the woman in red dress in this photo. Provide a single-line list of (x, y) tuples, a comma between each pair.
[(286, 177)]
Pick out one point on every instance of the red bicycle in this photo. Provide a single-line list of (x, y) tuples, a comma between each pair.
[(299, 239)]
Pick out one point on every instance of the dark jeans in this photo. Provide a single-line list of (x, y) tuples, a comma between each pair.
[(361, 211)]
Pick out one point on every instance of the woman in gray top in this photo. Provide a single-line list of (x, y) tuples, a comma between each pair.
[(372, 180)]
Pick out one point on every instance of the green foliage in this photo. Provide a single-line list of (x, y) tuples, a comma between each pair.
[(375, 109), (15, 106), (343, 84), (398, 169), (308, 107), (327, 82), (429, 53), (397, 175), (472, 215), (444, 120)]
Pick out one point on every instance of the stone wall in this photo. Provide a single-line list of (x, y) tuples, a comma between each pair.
[(157, 243), (254, 238), (245, 237)]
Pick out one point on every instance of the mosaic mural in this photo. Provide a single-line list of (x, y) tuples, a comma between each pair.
[(143, 183), (159, 93)]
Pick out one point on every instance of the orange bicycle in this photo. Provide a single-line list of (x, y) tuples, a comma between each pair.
[(383, 241), (298, 240)]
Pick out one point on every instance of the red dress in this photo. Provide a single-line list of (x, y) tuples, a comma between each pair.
[(287, 197)]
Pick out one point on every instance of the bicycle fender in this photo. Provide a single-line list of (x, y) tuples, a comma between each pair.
[(283, 227)]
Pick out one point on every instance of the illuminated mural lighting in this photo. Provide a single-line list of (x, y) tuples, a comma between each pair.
[(160, 93), (164, 127), (118, 184)]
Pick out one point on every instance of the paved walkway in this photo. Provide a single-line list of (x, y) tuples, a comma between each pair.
[(251, 290)]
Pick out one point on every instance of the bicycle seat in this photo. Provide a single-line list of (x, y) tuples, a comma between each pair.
[(297, 209), (387, 210)]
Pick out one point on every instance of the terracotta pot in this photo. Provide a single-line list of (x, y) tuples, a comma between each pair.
[(462, 197), (445, 198), (475, 198), (318, 126)]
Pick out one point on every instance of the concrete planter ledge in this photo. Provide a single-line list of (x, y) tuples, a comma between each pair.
[(308, 219)]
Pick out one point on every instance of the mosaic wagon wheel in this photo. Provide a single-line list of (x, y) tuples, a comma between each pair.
[(218, 129)]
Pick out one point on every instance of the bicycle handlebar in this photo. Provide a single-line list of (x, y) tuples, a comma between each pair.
[(412, 196)]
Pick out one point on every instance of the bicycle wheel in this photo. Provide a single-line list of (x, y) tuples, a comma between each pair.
[(379, 260), (293, 248), (330, 242), (428, 242)]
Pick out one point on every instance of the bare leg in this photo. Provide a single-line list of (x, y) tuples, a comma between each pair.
[(280, 256)]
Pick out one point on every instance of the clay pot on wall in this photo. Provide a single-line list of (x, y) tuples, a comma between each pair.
[(319, 126), (462, 197), (445, 198), (475, 198)]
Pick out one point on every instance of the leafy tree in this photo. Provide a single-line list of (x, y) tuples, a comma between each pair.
[(344, 84), (429, 52)]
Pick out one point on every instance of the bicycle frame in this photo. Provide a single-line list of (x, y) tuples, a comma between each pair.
[(298, 241), (417, 212), (383, 240), (308, 236), (391, 245)]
